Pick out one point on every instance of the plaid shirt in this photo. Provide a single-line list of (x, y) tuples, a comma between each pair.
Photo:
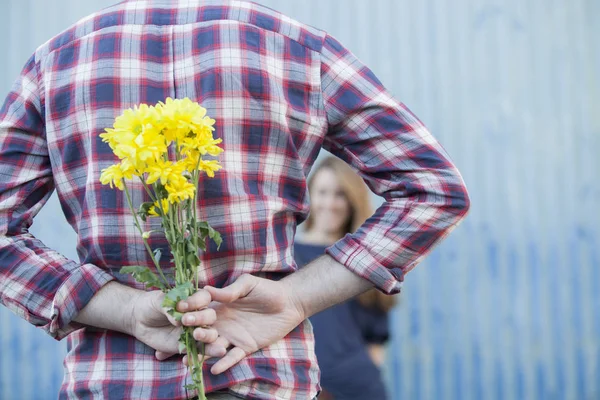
[(280, 91)]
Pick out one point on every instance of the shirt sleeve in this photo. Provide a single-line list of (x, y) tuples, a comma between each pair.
[(37, 283), (399, 159)]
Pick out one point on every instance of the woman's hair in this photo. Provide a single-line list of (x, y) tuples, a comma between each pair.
[(358, 197), (354, 188)]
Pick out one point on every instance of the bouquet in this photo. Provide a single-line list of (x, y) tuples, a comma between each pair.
[(142, 138)]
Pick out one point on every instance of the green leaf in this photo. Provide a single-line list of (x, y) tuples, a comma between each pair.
[(161, 191), (217, 239), (189, 246), (168, 303), (183, 336), (192, 259), (178, 293), (203, 229), (206, 230), (175, 314), (144, 209), (181, 347), (144, 275)]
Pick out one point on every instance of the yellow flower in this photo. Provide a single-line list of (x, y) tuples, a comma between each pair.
[(153, 211), (191, 160), (166, 171), (141, 137), (205, 144), (213, 149), (209, 166), (115, 174), (136, 136), (180, 191), (143, 149), (132, 122), (182, 116)]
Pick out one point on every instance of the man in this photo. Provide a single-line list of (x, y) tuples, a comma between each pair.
[(279, 91)]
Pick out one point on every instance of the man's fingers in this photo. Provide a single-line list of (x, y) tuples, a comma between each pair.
[(199, 300), (218, 348), (238, 289), (230, 359), (208, 316), (161, 355), (206, 335)]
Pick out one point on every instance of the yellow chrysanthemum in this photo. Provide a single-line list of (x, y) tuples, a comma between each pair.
[(194, 162), (182, 116), (204, 144), (210, 167), (166, 172), (190, 162), (132, 122), (136, 136), (153, 210), (180, 191), (212, 148), (141, 137), (115, 174)]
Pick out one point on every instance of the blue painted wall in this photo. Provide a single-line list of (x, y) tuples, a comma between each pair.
[(509, 306)]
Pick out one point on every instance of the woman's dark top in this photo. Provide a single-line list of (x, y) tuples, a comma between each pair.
[(342, 334)]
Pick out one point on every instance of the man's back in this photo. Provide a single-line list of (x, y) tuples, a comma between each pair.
[(258, 75), (261, 86), (279, 91)]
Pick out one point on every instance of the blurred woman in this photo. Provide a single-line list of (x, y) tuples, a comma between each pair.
[(350, 336)]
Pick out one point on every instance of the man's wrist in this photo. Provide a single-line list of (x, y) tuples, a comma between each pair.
[(112, 307), (321, 284), (128, 317), (296, 301)]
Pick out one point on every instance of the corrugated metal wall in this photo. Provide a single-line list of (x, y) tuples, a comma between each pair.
[(509, 306)]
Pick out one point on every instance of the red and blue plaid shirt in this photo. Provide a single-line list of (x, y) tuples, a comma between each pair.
[(280, 91)]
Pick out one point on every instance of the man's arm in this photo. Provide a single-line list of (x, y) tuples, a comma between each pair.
[(323, 283), (36, 282), (140, 314), (112, 307), (399, 160), (39, 284)]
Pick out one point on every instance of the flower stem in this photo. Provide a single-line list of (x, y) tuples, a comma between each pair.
[(147, 190), (196, 177), (137, 224), (195, 362)]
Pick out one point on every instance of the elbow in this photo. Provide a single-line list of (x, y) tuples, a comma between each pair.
[(459, 201)]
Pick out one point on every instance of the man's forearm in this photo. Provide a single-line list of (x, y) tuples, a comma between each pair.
[(110, 308), (324, 283)]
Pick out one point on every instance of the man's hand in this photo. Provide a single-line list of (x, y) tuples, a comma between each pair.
[(140, 314), (152, 325), (252, 313)]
